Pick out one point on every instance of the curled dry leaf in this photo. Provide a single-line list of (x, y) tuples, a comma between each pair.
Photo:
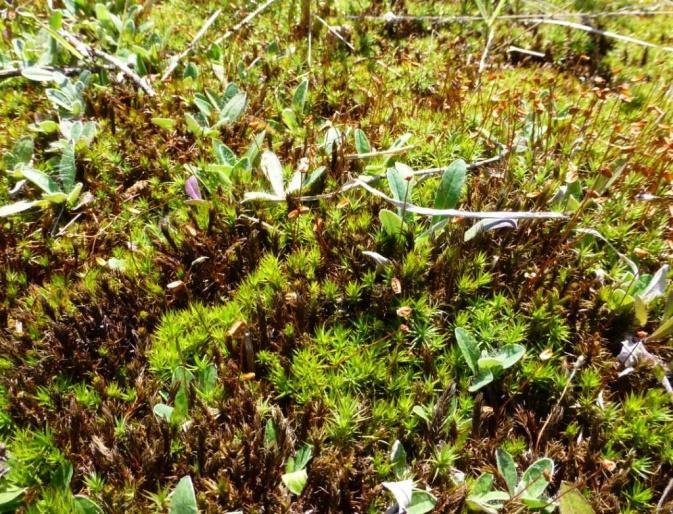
[(404, 312)]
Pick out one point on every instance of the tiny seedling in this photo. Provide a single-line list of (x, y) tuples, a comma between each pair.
[(216, 111), (409, 499), (486, 367), (273, 171), (295, 476), (528, 489)]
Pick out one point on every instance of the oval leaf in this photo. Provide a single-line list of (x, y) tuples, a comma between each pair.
[(448, 192), (507, 469)]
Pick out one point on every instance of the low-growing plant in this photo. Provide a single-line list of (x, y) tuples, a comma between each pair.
[(528, 489), (486, 366)]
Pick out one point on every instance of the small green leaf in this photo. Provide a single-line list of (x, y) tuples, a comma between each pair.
[(421, 503), (361, 142), (194, 125), (398, 186), (233, 109), (390, 221), (483, 378), (66, 168), (295, 481), (398, 458), (41, 180), (663, 330), (507, 469), (38, 74), (299, 97), (290, 118), (482, 485), (303, 456), (504, 358), (9, 497), (640, 309), (183, 499), (450, 187), (85, 505), (399, 143), (164, 123), (163, 411), (223, 154), (571, 501), (468, 347), (15, 208), (534, 480), (273, 171)]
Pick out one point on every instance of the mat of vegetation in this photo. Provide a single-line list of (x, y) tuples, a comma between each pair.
[(336, 256)]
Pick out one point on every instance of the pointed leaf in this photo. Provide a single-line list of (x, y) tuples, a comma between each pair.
[(303, 456), (273, 171), (41, 180), (164, 123), (397, 184), (332, 140), (361, 142), (261, 195), (468, 347), (233, 109), (299, 97), (507, 469), (534, 480), (163, 411), (662, 331), (183, 498), (450, 187), (10, 494), (398, 458), (15, 208), (66, 168), (402, 491), (223, 154)]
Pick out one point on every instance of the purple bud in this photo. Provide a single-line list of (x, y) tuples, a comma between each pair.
[(192, 188)]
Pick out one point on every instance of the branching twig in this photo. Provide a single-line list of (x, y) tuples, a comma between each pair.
[(175, 60), (244, 21), (92, 52), (664, 495)]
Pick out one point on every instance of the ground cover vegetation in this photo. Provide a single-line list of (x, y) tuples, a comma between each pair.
[(335, 256)]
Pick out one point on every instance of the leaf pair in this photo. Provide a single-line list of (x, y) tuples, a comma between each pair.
[(273, 171), (486, 367), (295, 476), (529, 490)]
